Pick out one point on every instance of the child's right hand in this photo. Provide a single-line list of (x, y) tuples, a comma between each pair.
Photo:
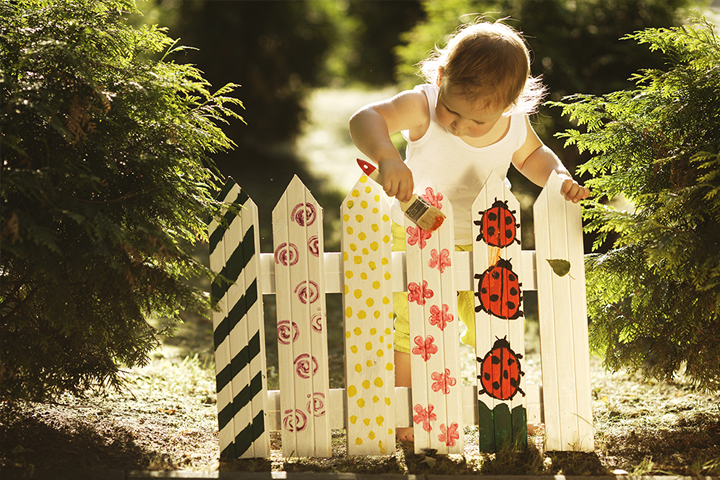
[(397, 179)]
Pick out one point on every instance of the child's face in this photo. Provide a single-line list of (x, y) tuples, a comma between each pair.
[(462, 117)]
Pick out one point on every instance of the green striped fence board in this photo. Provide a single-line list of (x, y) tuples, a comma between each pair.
[(238, 328)]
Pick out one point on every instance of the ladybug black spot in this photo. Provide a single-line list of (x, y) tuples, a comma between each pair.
[(509, 220), (506, 375), (491, 231), (495, 360), (492, 216), (510, 305), (484, 290), (511, 361), (494, 298), (495, 274), (513, 291), (496, 385), (509, 234), (487, 376)]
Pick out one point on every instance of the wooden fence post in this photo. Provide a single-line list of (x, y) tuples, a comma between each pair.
[(434, 334), (368, 314), (562, 310), (301, 319), (239, 330), (499, 319)]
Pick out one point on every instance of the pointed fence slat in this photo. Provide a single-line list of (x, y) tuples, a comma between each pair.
[(499, 320), (367, 305), (238, 327), (301, 315), (563, 322), (434, 334)]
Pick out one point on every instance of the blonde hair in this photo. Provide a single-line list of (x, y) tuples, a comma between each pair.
[(489, 62)]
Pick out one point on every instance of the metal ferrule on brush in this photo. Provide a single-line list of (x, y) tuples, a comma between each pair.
[(417, 209)]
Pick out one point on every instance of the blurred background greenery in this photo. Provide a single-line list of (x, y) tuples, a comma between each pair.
[(305, 66)]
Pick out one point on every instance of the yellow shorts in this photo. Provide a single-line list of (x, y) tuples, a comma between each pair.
[(466, 303)]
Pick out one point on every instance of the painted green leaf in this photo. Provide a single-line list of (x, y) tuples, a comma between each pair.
[(560, 267)]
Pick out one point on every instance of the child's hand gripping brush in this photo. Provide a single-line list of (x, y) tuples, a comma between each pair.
[(417, 209)]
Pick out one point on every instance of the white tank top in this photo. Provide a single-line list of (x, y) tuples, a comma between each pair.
[(450, 166)]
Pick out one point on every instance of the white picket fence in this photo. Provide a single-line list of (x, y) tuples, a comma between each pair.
[(300, 273)]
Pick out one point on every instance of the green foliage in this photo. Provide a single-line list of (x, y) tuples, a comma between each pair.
[(106, 184), (376, 31), (277, 51), (653, 298)]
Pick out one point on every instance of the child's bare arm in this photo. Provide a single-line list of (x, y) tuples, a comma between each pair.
[(371, 127), (536, 162)]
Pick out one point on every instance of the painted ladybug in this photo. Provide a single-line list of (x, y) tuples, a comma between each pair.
[(499, 291), (500, 371), (498, 227)]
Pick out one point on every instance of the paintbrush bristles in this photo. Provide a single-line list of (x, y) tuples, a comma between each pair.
[(423, 214)]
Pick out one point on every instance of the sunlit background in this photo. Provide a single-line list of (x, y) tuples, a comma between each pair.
[(305, 66)]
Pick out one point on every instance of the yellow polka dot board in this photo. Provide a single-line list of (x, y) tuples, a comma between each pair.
[(367, 303), (301, 327), (434, 334), (499, 320), (563, 322), (239, 328)]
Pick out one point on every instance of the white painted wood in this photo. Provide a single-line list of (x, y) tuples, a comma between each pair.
[(489, 327), (403, 406), (367, 308), (463, 270), (432, 299), (302, 347), (563, 322)]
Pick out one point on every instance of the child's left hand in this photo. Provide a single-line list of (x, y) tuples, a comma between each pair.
[(573, 191)]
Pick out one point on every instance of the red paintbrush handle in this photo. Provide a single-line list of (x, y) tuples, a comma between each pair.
[(369, 169)]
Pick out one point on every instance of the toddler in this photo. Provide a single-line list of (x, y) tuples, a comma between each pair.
[(469, 120)]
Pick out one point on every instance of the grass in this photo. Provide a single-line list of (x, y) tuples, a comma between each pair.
[(166, 420)]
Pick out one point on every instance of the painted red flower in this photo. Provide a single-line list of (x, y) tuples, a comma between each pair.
[(433, 198), (439, 261), (418, 293), (449, 434), (417, 235), (424, 416), (443, 381), (440, 317), (425, 347)]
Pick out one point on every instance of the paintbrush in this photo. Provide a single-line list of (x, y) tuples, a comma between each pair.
[(418, 210)]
